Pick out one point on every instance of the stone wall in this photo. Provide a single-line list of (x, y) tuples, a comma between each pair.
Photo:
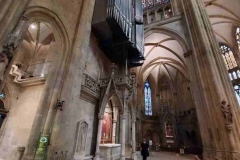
[(19, 121)]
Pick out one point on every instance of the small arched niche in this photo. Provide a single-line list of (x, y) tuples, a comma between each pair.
[(107, 124), (36, 52)]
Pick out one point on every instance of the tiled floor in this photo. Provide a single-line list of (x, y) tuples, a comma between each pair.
[(167, 156)]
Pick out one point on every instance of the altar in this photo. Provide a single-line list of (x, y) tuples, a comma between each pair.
[(110, 151)]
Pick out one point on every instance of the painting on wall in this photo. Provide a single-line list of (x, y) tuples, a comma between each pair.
[(107, 128), (169, 130)]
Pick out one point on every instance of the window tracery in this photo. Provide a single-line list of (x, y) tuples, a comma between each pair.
[(148, 99), (228, 57), (238, 37), (232, 67)]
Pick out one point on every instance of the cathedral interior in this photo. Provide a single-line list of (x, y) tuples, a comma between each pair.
[(90, 79)]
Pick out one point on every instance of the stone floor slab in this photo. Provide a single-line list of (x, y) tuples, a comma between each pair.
[(167, 156)]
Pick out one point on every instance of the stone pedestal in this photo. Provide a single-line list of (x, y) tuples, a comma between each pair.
[(110, 151)]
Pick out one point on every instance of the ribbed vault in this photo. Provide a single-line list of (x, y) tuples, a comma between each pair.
[(225, 18), (164, 58)]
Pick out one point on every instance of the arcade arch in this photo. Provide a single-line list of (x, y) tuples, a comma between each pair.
[(166, 70)]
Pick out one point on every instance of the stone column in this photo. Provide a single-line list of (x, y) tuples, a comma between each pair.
[(114, 131), (115, 118), (175, 7), (156, 15), (123, 135), (134, 157), (218, 110), (97, 154), (172, 8)]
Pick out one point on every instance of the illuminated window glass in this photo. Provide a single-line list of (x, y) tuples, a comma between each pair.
[(148, 99), (238, 37), (225, 61), (233, 60), (228, 57), (231, 64), (237, 92), (2, 96), (235, 75), (238, 73), (230, 76)]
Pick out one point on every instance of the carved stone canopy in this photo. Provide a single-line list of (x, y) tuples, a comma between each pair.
[(90, 90)]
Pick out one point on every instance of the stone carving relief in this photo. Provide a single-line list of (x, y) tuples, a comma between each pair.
[(104, 82), (91, 84), (82, 137), (13, 40), (90, 90), (227, 115)]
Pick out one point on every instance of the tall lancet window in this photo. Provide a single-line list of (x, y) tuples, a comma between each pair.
[(233, 69), (148, 99), (238, 37)]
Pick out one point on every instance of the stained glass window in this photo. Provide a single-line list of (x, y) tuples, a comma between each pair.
[(237, 92), (232, 67), (238, 37), (238, 73), (228, 57), (230, 76), (148, 99)]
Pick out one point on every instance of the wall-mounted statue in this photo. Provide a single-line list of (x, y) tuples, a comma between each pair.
[(227, 115)]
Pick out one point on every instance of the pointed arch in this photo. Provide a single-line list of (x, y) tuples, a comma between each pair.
[(232, 67)]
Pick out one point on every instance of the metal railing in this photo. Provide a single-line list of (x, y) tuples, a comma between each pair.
[(122, 12)]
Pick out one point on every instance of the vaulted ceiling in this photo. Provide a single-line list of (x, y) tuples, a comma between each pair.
[(164, 53), (164, 58), (225, 18)]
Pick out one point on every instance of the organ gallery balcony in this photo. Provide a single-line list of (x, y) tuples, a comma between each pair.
[(118, 26), (158, 10)]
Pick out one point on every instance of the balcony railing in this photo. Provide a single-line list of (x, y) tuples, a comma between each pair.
[(157, 11), (149, 4), (121, 11)]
